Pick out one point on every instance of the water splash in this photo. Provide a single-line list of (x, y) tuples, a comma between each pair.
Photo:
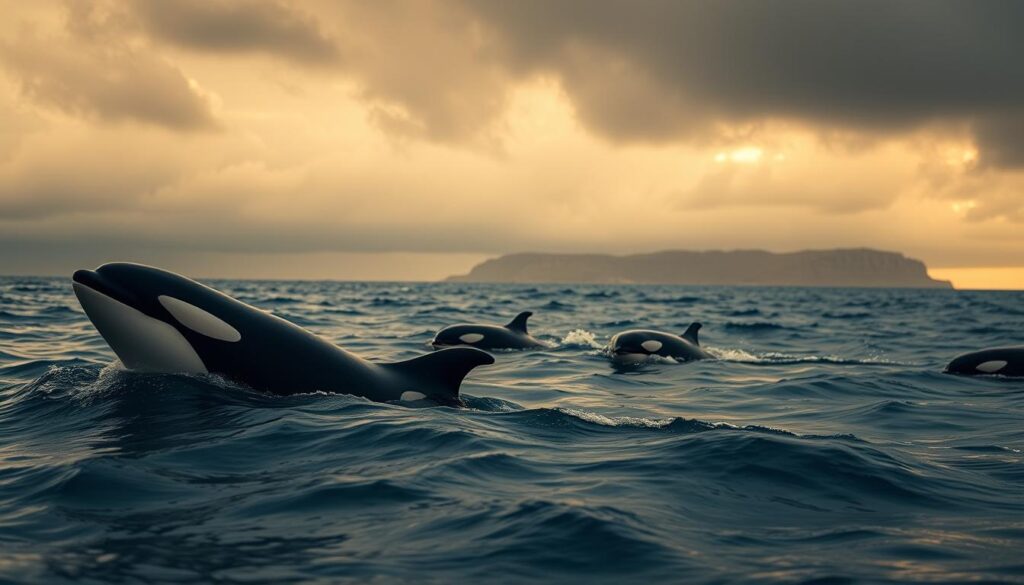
[(581, 338)]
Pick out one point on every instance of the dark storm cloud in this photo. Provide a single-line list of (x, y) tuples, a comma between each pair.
[(238, 26), (652, 71), (655, 70), (1002, 138)]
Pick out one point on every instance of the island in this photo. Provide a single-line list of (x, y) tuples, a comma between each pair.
[(857, 267)]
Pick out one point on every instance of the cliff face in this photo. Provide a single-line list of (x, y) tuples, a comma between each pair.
[(849, 268)]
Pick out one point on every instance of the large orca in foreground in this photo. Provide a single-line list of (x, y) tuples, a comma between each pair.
[(638, 344), (1004, 361), (158, 321), (482, 336)]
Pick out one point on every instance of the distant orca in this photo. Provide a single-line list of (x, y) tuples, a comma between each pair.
[(1004, 361), (158, 321), (511, 336), (637, 344)]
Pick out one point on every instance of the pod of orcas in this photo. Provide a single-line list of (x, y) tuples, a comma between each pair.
[(158, 321)]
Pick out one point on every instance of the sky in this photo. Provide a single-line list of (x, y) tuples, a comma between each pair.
[(410, 140)]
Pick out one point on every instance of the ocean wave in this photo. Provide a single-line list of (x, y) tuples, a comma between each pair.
[(757, 326), (388, 302), (744, 312), (603, 294), (619, 323), (282, 300), (348, 312), (683, 425), (846, 315), (581, 540), (35, 367), (442, 310), (337, 496), (679, 300), (776, 358), (558, 306)]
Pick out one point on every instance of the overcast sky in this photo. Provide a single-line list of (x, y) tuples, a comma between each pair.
[(413, 139)]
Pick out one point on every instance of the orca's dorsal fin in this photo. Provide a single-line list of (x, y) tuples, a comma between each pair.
[(444, 369), (519, 323), (691, 333)]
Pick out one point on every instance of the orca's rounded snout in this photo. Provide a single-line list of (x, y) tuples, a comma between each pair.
[(91, 279), (104, 285), (84, 276), (444, 340), (626, 352), (955, 367), (623, 347), (627, 355)]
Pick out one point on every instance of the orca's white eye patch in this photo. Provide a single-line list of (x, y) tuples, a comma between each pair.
[(412, 396), (199, 320), (470, 337), (651, 345), (990, 367)]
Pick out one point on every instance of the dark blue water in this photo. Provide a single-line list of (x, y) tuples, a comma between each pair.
[(824, 446)]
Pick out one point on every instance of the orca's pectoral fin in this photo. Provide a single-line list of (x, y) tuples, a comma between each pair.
[(519, 323), (691, 333), (444, 369)]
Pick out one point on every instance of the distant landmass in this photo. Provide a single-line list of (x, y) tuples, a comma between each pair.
[(859, 267)]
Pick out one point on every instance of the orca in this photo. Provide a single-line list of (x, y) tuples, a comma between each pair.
[(636, 345), (1002, 361), (159, 321), (511, 336)]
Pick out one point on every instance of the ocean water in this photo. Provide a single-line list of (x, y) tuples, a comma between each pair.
[(823, 446)]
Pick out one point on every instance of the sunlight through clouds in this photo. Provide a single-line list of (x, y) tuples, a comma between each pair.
[(454, 128)]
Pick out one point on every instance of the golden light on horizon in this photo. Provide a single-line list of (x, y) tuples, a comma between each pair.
[(1000, 278)]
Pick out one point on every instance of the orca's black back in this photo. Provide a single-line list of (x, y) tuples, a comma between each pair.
[(273, 354)]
